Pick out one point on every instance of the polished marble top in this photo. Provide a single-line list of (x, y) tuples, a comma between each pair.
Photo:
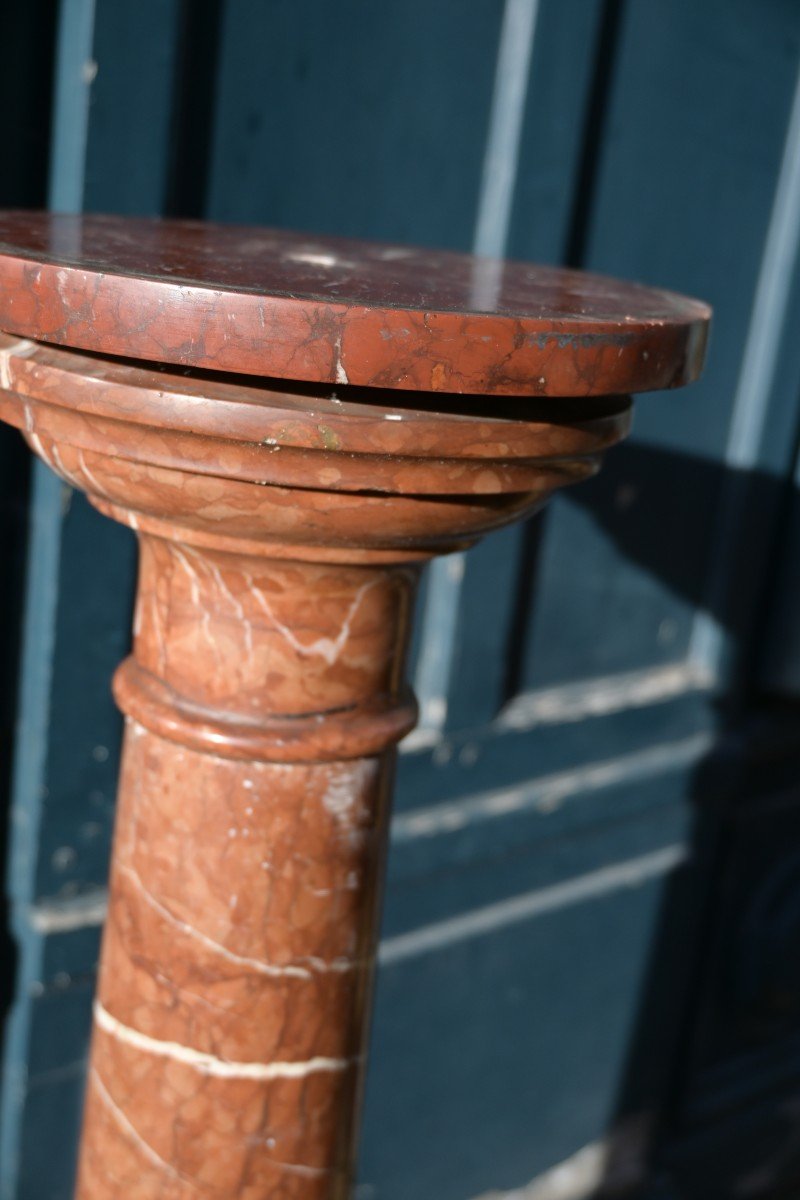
[(277, 303)]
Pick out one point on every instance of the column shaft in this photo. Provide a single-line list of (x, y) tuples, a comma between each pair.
[(237, 957)]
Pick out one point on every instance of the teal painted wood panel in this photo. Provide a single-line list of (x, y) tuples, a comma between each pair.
[(493, 1112), (24, 89), (136, 95), (552, 151), (691, 151), (355, 118), (76, 630)]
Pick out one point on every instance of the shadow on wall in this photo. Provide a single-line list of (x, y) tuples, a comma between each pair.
[(655, 505), (722, 988)]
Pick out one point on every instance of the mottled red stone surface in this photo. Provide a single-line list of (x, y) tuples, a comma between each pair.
[(270, 302), (281, 524)]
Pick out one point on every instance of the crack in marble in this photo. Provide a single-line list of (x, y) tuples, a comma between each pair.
[(341, 374), (194, 586), (299, 1169), (255, 964), (93, 481), (324, 647), (194, 583), (158, 631), (57, 461), (208, 1064), (222, 587), (33, 436), (237, 606), (128, 1127)]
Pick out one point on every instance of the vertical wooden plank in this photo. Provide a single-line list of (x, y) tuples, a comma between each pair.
[(71, 104), (689, 77), (198, 45), (770, 375), (75, 72), (130, 134), (24, 90), (113, 124), (501, 155), (127, 167), (538, 226), (439, 620), (778, 668), (355, 118), (729, 600)]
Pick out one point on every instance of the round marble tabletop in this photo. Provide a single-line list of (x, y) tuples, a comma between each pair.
[(273, 303)]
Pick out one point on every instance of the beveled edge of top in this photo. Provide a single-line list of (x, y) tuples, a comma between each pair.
[(273, 303)]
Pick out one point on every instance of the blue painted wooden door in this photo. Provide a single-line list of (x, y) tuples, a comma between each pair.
[(592, 911)]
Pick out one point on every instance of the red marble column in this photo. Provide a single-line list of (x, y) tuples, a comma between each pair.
[(281, 528), (237, 954)]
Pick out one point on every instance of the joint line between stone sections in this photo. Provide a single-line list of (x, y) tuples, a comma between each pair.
[(208, 1064)]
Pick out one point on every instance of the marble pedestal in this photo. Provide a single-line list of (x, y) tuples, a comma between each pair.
[(292, 426)]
